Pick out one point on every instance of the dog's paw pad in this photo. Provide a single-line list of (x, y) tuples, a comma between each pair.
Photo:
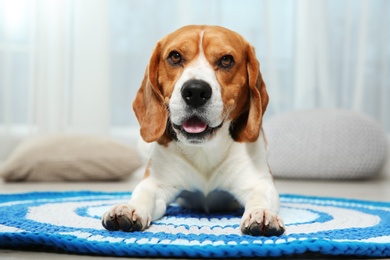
[(109, 223), (124, 223), (262, 222), (123, 217), (256, 229)]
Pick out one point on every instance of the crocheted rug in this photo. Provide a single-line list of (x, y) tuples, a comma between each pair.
[(70, 222)]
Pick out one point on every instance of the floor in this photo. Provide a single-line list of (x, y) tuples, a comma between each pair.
[(374, 189)]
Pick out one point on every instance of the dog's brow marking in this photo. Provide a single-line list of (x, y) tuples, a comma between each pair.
[(201, 43), (201, 60)]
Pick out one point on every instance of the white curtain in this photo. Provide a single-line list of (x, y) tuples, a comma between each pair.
[(74, 66), (54, 66)]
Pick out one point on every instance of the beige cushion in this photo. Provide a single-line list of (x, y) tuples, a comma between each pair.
[(70, 158)]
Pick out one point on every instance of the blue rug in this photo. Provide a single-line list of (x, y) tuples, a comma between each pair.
[(70, 222)]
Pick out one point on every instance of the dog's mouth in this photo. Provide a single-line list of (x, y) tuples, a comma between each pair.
[(194, 125), (195, 129)]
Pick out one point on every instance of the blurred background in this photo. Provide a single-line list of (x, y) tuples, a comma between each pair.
[(75, 66)]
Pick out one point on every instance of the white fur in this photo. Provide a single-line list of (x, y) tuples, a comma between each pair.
[(220, 164)]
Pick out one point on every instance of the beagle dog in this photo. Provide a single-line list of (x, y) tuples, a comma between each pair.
[(201, 103)]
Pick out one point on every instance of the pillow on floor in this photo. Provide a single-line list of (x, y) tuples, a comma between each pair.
[(325, 144), (70, 158)]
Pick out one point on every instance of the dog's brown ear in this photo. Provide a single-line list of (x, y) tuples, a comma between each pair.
[(248, 125), (149, 105)]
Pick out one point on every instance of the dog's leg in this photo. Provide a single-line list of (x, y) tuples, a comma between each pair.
[(148, 202), (255, 190)]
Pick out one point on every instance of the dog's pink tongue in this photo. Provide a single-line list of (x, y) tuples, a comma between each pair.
[(194, 126)]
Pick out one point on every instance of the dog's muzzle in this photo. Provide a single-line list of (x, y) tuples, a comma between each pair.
[(195, 128)]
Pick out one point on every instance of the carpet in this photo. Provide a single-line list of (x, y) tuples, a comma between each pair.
[(69, 222)]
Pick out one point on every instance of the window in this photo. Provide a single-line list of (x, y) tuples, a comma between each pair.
[(76, 65)]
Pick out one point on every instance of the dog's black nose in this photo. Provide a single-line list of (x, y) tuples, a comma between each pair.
[(196, 92)]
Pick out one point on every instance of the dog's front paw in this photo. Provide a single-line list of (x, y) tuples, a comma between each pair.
[(125, 217), (262, 222)]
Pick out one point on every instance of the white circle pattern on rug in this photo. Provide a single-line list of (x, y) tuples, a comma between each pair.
[(71, 222)]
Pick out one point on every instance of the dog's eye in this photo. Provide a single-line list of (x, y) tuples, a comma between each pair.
[(226, 61), (175, 58)]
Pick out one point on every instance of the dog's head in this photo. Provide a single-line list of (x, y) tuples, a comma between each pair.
[(199, 79)]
